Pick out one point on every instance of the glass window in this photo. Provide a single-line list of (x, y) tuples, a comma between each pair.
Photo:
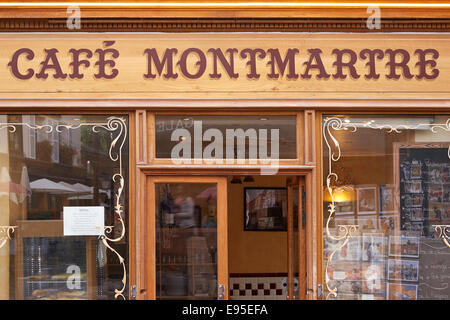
[(386, 203), (226, 137), (49, 163)]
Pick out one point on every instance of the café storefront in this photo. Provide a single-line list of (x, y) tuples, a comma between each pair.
[(224, 160)]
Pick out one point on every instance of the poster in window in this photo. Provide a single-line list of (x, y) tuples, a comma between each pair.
[(373, 247), (367, 223), (402, 246), (386, 192), (366, 199), (404, 270), (397, 291), (389, 223)]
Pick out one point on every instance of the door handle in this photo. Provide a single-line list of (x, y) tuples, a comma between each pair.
[(221, 292)]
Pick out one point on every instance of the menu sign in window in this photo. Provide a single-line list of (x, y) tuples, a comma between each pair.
[(84, 221)]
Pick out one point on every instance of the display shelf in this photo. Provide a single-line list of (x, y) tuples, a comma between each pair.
[(34, 238)]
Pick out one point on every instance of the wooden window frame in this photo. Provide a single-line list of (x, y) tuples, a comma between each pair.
[(33, 107), (151, 136), (416, 107)]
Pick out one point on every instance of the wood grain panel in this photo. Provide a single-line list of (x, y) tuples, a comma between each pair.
[(132, 65), (141, 137), (309, 135)]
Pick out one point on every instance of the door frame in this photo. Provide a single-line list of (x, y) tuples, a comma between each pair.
[(145, 239), (150, 229), (296, 241)]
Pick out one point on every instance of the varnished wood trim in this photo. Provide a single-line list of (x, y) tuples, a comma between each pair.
[(248, 106), (309, 134), (311, 235), (141, 239), (302, 285), (222, 163), (319, 198), (132, 241), (150, 240), (290, 242), (301, 137), (222, 235), (219, 171), (151, 137), (141, 137)]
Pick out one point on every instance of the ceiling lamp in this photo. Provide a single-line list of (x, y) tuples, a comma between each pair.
[(236, 180), (249, 179)]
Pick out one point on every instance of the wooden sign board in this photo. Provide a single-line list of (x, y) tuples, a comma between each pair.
[(224, 65)]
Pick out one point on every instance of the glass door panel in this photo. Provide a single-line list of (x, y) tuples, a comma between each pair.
[(188, 220)]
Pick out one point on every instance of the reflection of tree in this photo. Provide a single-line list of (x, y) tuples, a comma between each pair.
[(66, 154), (101, 139), (44, 150)]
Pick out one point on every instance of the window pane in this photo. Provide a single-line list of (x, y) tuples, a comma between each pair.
[(275, 133), (387, 186), (48, 163)]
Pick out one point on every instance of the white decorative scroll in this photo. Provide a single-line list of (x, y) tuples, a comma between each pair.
[(334, 154), (5, 234), (443, 231)]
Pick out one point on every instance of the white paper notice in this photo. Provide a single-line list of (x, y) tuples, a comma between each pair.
[(84, 221)]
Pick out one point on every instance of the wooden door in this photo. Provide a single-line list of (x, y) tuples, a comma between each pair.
[(188, 248)]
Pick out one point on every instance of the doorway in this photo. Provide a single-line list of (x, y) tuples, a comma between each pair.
[(190, 224), (266, 237), (228, 237)]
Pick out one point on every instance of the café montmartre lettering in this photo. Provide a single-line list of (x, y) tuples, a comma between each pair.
[(194, 63)]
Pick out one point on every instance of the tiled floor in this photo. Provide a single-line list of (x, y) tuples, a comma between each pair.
[(258, 288)]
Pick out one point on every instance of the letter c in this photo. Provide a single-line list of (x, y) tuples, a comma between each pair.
[(14, 64)]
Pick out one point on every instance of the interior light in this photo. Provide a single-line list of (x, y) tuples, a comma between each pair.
[(340, 194)]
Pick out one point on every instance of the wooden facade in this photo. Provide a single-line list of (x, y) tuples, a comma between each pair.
[(427, 25)]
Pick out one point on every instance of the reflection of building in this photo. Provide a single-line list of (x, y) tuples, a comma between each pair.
[(50, 154), (46, 167)]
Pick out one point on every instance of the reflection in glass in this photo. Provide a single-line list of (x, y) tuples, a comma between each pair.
[(389, 177), (42, 170), (253, 125), (186, 242)]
